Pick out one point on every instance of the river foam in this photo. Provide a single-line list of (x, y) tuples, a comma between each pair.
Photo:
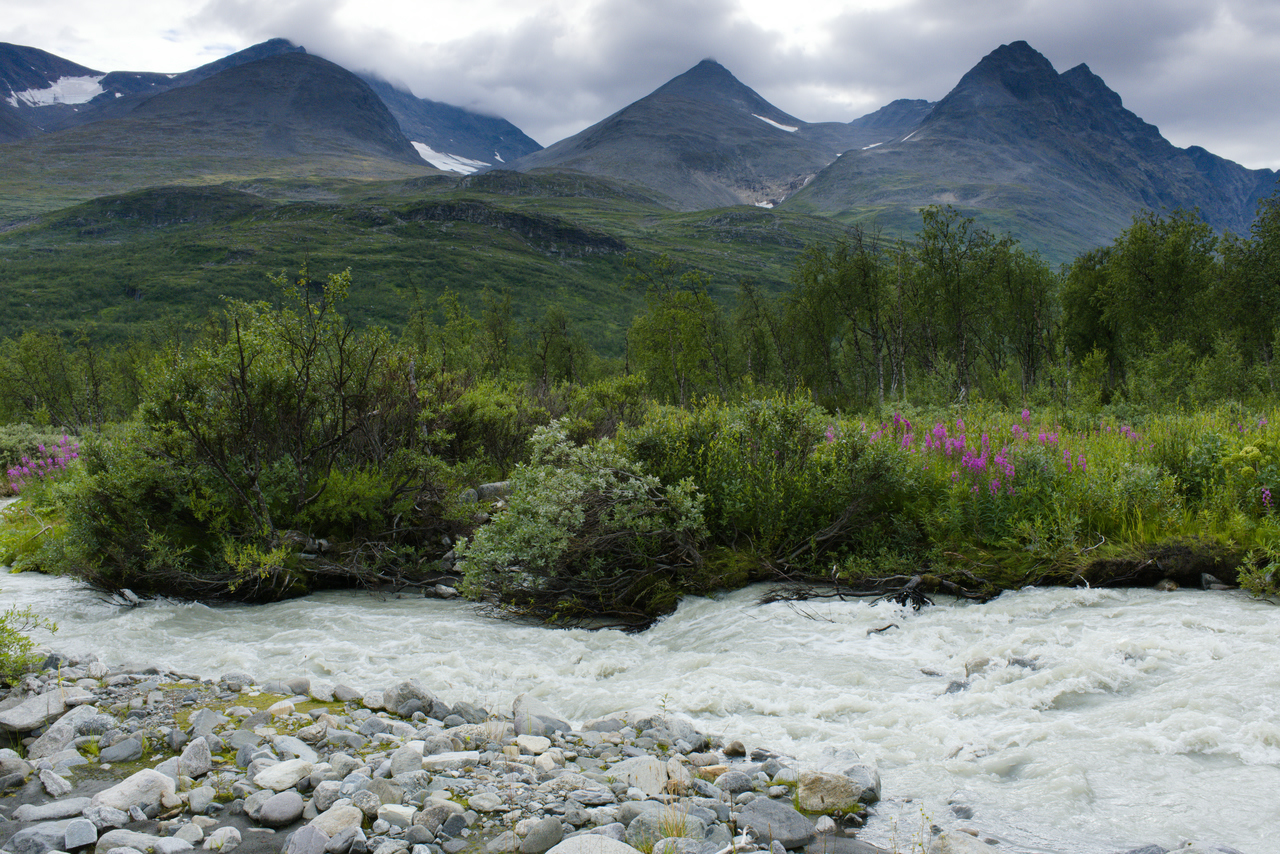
[(1077, 720)]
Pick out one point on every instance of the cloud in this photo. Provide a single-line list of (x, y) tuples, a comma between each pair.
[(1202, 70)]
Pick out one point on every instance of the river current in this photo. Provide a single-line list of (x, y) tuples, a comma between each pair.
[(1077, 720)]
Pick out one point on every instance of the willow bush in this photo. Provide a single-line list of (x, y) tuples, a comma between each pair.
[(587, 534)]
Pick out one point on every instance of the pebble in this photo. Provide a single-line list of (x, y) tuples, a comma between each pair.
[(394, 770)]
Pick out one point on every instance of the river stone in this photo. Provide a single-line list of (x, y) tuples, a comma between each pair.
[(386, 791), (143, 788), (337, 818), (291, 747), (39, 838), (125, 750), (200, 799), (204, 722), (65, 808), (868, 777), (734, 782), (326, 794), (407, 758), (674, 845), (646, 829), (40, 710), (196, 759), (400, 693), (350, 840), (80, 832), (823, 791), (307, 839), (591, 843), (367, 802), (542, 836), (534, 745), (140, 842), (396, 815), (283, 775), (62, 732), (646, 773), (56, 786), (504, 843), (955, 842), (485, 802), (772, 820), (222, 839), (452, 761), (531, 716), (282, 808), (104, 816), (191, 832), (845, 845)]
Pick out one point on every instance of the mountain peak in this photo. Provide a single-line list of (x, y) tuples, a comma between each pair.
[(711, 82)]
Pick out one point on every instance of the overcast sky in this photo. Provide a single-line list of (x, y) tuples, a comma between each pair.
[(1206, 73)]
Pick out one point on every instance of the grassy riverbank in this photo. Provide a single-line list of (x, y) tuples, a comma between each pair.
[(948, 414)]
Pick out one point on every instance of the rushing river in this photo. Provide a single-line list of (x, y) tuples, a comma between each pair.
[(1126, 717)]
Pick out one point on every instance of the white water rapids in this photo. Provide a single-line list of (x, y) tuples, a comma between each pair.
[(1144, 717)]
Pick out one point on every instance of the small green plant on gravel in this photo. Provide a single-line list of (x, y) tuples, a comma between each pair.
[(17, 654)]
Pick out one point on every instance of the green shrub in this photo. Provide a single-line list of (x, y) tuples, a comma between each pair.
[(586, 534), (16, 656), (782, 479)]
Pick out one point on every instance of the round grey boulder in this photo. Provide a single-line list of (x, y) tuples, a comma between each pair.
[(281, 809)]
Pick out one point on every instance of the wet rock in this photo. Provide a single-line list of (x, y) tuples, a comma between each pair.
[(146, 787), (39, 838), (79, 833), (308, 839), (957, 842), (531, 716), (104, 816), (734, 782), (646, 773), (821, 791), (337, 818), (223, 839), (42, 709), (591, 843), (62, 732), (200, 799), (281, 809), (54, 785), (140, 842), (769, 820), (283, 775), (646, 829), (196, 759), (544, 835)]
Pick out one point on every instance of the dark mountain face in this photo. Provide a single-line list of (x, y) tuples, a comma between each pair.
[(1054, 159), (59, 94), (453, 131), (96, 97), (703, 140), (285, 105)]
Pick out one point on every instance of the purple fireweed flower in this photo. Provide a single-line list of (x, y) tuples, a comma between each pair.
[(1266, 498), (1026, 416)]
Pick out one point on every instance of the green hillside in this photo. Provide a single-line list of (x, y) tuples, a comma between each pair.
[(164, 256)]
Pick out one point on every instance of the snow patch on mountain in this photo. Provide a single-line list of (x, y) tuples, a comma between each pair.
[(448, 162), (66, 90), (787, 128)]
